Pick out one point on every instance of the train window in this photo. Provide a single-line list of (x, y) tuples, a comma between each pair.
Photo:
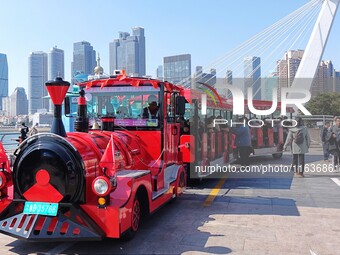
[(188, 111), (210, 112), (130, 107)]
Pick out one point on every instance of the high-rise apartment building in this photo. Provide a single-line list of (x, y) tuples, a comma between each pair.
[(252, 76), (229, 77), (56, 63), (55, 67), (6, 106), (177, 69), (37, 76), (336, 84), (128, 53), (159, 72), (323, 80), (84, 58), (269, 84), (208, 78), (3, 78), (18, 102), (287, 68)]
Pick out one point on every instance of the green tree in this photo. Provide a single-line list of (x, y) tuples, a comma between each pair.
[(325, 104)]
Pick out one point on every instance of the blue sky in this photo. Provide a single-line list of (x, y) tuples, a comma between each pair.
[(205, 29)]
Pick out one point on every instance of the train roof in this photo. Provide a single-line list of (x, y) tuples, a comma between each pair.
[(122, 79), (220, 102)]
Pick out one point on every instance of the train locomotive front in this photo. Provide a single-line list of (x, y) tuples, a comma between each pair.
[(78, 186)]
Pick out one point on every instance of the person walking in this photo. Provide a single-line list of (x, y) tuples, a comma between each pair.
[(299, 140), (243, 142), (33, 131), (23, 132), (333, 139), (323, 135)]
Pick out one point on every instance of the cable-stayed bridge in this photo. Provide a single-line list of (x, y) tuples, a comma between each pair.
[(303, 32)]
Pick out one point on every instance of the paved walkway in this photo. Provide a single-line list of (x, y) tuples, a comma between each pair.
[(248, 216)]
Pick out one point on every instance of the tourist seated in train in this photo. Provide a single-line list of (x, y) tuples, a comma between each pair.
[(221, 127), (210, 129), (109, 108), (200, 126), (210, 124), (151, 112), (122, 111)]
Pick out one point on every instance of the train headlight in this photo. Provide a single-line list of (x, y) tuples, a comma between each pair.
[(2, 180), (101, 186)]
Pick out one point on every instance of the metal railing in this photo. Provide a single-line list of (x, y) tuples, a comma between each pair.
[(9, 140)]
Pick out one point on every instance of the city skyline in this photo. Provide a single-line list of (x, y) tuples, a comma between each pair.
[(164, 37)]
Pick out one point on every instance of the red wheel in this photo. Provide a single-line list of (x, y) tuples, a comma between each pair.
[(136, 214)]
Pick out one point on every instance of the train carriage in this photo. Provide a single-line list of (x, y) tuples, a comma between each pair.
[(211, 130)]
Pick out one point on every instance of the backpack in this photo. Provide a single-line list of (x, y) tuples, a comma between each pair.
[(298, 137)]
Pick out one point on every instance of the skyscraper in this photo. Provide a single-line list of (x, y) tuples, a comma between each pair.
[(287, 68), (159, 72), (6, 106), (3, 78), (269, 84), (336, 84), (208, 78), (229, 77), (56, 63), (19, 102), (323, 80), (128, 52), (177, 69), (37, 76), (252, 76), (55, 67), (84, 58)]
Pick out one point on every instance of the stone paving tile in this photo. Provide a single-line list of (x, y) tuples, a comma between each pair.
[(15, 246), (274, 247), (240, 231), (250, 200), (232, 242), (281, 201)]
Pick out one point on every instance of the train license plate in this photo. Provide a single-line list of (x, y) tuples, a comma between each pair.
[(41, 208)]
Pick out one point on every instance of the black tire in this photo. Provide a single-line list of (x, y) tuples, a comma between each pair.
[(135, 221), (277, 155)]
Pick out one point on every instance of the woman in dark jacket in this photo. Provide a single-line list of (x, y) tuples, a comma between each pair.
[(333, 139)]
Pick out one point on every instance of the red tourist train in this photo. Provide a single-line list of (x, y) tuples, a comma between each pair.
[(91, 184), (98, 183)]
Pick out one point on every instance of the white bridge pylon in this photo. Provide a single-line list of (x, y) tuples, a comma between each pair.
[(316, 45)]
